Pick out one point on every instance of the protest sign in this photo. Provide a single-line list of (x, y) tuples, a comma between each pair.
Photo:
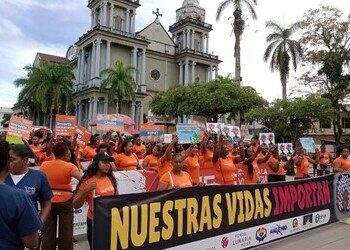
[(187, 134), (214, 128), (308, 144), (110, 122), (168, 138), (65, 125), (152, 133), (285, 150), (267, 139), (84, 136), (232, 217), (233, 132), (19, 127)]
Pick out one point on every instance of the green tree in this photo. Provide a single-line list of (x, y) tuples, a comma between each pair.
[(210, 100), (292, 119), (326, 40), (119, 83), (238, 26), (281, 49), (5, 120)]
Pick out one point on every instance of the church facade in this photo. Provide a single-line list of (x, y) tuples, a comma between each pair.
[(162, 60)]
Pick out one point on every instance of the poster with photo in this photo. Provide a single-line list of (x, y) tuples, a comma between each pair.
[(285, 150), (187, 134), (267, 139), (215, 128), (308, 144)]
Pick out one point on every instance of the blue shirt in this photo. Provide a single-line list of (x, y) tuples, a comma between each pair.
[(18, 217), (35, 184)]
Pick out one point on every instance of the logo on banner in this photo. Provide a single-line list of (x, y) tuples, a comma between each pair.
[(261, 234), (307, 219), (295, 223), (320, 218), (343, 193), (278, 229), (242, 240), (224, 242)]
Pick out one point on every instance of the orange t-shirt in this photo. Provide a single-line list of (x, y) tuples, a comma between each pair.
[(44, 158), (164, 167), (250, 179), (207, 159), (36, 149), (140, 151), (152, 161), (59, 174), (104, 187), (280, 171), (303, 169), (88, 153), (225, 171), (344, 163), (326, 158), (177, 181), (127, 162), (192, 164)]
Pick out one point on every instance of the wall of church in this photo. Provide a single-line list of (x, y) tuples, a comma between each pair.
[(201, 72), (120, 53), (173, 75)]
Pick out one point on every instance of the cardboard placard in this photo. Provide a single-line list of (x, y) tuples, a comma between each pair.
[(65, 125), (285, 150), (84, 135), (19, 127), (110, 122), (152, 133), (187, 134), (267, 139)]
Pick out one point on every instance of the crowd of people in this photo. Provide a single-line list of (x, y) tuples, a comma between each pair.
[(38, 202)]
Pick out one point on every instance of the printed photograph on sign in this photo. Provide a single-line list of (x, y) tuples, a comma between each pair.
[(308, 144), (168, 138), (233, 132), (187, 134), (201, 127), (110, 122), (215, 128), (19, 127), (152, 133), (285, 150), (267, 139), (65, 125)]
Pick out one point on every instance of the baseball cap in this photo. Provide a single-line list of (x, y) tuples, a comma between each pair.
[(103, 156)]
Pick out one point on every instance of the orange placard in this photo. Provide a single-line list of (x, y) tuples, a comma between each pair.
[(20, 127), (110, 122), (84, 135), (152, 133), (65, 125)]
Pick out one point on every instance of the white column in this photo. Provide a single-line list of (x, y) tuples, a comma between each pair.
[(105, 106), (93, 61), (193, 72), (134, 62), (186, 73), (95, 18), (184, 40), (111, 15), (108, 55), (76, 112), (143, 72), (141, 114), (80, 113), (104, 14), (98, 58), (92, 19), (181, 76), (132, 110), (90, 108), (216, 72), (211, 73), (207, 45), (208, 74), (188, 39), (192, 39), (132, 28), (79, 67), (127, 20), (94, 115), (82, 65), (203, 43)]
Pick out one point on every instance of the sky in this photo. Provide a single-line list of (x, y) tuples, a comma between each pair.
[(50, 26)]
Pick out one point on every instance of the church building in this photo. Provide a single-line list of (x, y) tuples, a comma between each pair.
[(162, 60)]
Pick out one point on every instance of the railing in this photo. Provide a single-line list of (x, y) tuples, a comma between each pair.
[(192, 51), (189, 19), (133, 1), (114, 31)]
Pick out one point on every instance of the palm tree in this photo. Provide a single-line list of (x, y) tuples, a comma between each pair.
[(238, 26), (120, 84), (281, 50)]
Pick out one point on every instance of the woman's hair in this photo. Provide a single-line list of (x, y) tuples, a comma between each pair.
[(20, 150), (176, 155), (92, 171), (38, 134), (4, 154), (60, 149), (124, 144), (92, 140), (250, 165), (103, 145)]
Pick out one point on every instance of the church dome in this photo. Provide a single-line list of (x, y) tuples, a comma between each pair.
[(191, 3)]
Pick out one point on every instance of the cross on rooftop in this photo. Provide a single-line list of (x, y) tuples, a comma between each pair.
[(157, 13)]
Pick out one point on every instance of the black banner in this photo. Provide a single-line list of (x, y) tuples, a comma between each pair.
[(211, 216)]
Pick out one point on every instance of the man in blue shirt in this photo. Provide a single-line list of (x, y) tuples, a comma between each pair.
[(19, 221), (33, 182)]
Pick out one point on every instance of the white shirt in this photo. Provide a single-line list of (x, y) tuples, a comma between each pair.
[(17, 178)]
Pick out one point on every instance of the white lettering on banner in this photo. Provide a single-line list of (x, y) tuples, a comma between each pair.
[(261, 234)]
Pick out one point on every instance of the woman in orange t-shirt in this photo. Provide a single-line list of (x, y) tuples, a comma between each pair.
[(246, 158), (225, 170), (99, 178), (276, 171), (302, 163), (176, 178), (342, 163), (139, 148), (127, 160), (191, 163), (207, 152), (88, 153), (165, 161), (326, 160), (151, 161)]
